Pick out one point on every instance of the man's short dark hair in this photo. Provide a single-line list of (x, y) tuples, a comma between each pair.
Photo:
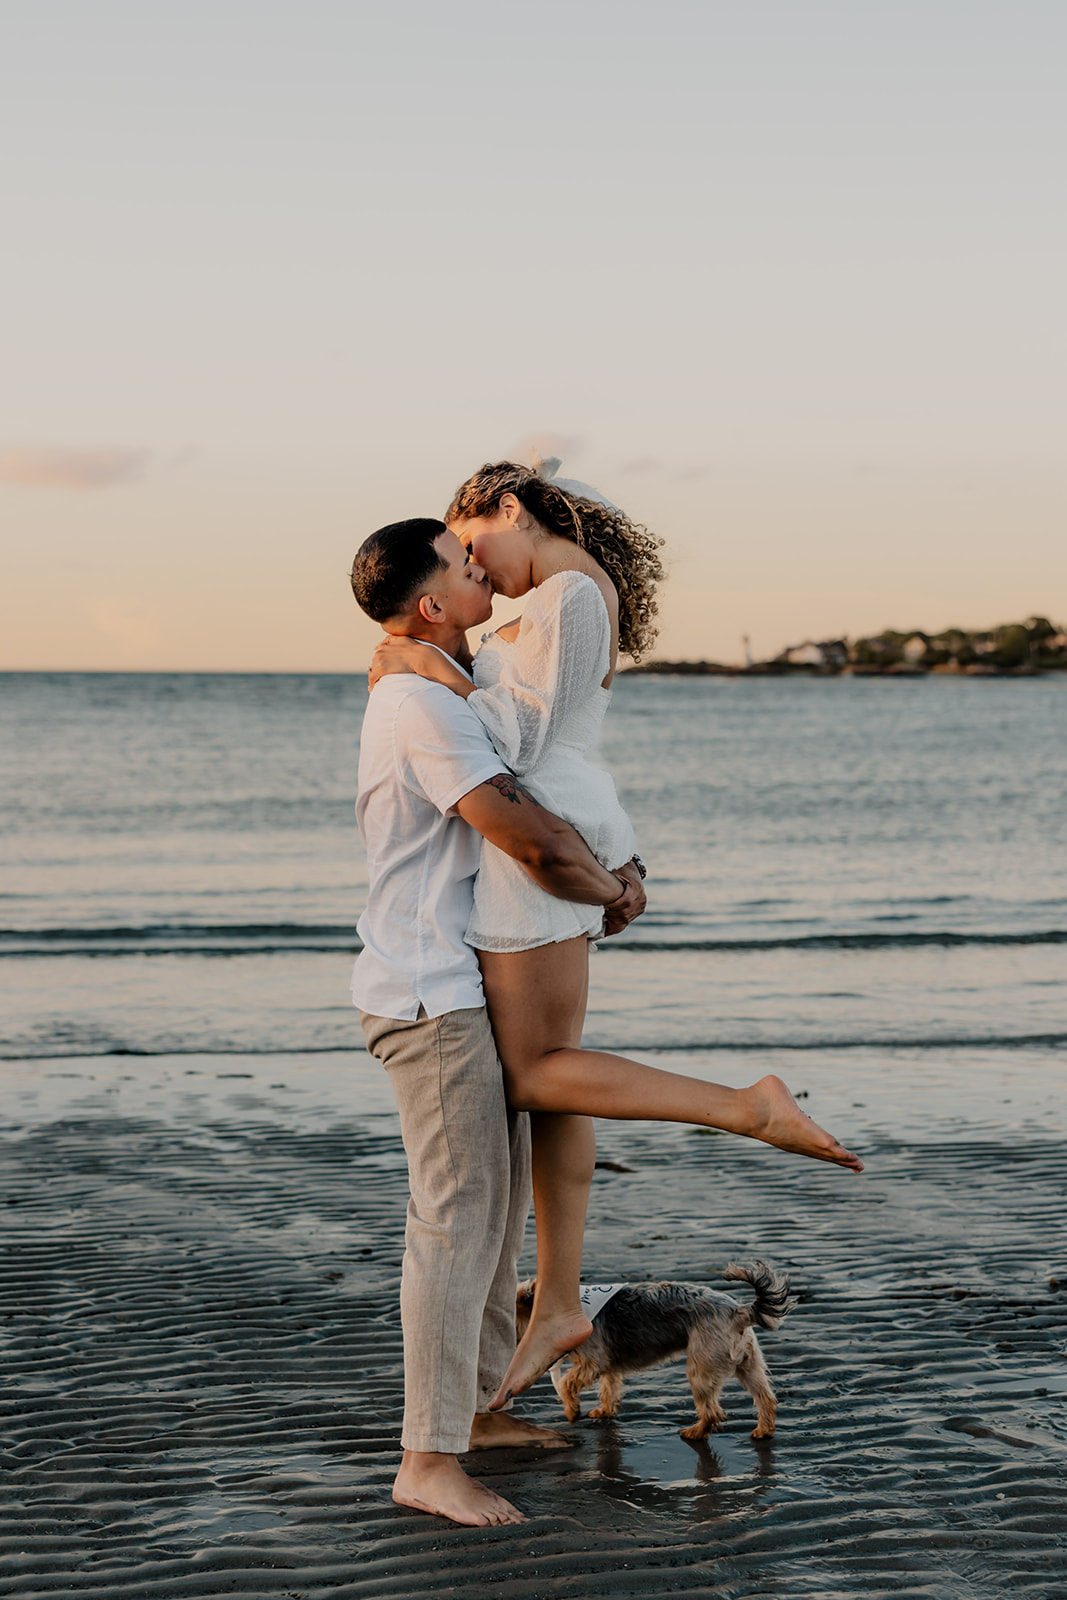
[(393, 564)]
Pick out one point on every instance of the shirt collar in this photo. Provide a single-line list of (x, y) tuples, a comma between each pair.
[(447, 657)]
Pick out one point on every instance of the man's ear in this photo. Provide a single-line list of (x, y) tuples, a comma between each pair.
[(430, 609)]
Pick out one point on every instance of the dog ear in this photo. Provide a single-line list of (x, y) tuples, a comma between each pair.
[(525, 1295)]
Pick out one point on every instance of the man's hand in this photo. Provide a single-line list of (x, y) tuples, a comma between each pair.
[(622, 912)]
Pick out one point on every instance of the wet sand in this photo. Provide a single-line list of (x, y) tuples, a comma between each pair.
[(201, 1345)]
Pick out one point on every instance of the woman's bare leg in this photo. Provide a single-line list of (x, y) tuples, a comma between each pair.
[(563, 1151), (532, 998), (544, 1072)]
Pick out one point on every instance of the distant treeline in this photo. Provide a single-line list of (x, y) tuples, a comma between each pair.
[(1016, 649)]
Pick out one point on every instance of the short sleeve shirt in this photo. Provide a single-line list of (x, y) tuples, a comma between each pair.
[(421, 750)]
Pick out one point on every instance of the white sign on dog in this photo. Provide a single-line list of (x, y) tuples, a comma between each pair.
[(595, 1296)]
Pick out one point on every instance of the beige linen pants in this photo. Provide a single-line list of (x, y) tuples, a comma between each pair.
[(469, 1177)]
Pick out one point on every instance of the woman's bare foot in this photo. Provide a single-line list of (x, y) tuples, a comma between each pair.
[(429, 1481), (777, 1119), (545, 1340), (500, 1430)]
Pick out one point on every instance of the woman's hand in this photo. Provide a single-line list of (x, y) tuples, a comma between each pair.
[(630, 904), (396, 653)]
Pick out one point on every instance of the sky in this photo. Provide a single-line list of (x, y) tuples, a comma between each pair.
[(783, 278)]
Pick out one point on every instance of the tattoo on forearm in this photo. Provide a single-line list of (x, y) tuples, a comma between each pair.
[(511, 789)]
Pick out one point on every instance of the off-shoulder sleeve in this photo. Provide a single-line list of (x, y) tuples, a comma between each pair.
[(560, 658)]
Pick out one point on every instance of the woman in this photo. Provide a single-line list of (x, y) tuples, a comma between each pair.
[(541, 688)]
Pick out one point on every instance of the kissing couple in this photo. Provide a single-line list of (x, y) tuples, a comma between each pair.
[(496, 852)]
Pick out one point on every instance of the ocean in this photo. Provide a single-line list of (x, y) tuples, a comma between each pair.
[(842, 864)]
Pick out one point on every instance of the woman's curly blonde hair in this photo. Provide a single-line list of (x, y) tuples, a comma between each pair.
[(628, 553)]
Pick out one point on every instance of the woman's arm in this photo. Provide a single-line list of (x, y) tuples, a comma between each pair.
[(401, 654)]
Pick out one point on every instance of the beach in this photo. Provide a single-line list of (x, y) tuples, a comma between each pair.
[(859, 886), (204, 1379)]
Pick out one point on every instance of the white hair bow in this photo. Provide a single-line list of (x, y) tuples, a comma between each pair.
[(549, 466)]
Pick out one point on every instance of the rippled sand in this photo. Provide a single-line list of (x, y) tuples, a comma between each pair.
[(203, 1368)]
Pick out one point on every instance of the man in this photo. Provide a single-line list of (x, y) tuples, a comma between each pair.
[(430, 782)]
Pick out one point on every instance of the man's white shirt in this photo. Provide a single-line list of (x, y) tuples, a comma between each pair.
[(421, 750)]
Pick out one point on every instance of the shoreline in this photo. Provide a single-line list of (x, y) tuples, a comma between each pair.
[(906, 1090)]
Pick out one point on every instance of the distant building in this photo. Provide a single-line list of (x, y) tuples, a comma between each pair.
[(831, 654), (802, 655)]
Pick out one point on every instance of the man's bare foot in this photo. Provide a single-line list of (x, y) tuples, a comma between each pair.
[(499, 1430), (545, 1340), (429, 1481), (778, 1120)]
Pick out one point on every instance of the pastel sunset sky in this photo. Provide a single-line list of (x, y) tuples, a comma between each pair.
[(784, 278)]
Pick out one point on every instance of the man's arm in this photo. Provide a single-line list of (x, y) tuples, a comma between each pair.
[(553, 853)]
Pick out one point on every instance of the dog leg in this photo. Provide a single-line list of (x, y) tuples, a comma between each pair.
[(569, 1388), (610, 1394), (706, 1383), (753, 1375)]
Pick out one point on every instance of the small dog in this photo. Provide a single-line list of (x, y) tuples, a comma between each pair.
[(643, 1324)]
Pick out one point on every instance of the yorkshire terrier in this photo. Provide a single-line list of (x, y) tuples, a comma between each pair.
[(642, 1324)]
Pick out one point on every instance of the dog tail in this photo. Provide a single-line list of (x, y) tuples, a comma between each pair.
[(773, 1301)]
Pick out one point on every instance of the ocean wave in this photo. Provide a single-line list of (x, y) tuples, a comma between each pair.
[(52, 1049), (300, 938), (221, 939), (849, 941)]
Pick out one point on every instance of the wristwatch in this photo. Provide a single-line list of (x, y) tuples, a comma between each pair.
[(640, 865)]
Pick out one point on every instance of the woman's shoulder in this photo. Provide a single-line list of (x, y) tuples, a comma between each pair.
[(567, 582), (573, 590)]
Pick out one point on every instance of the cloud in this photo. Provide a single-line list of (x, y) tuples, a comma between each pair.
[(42, 467)]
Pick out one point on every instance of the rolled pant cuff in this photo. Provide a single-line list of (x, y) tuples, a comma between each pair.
[(445, 1444)]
